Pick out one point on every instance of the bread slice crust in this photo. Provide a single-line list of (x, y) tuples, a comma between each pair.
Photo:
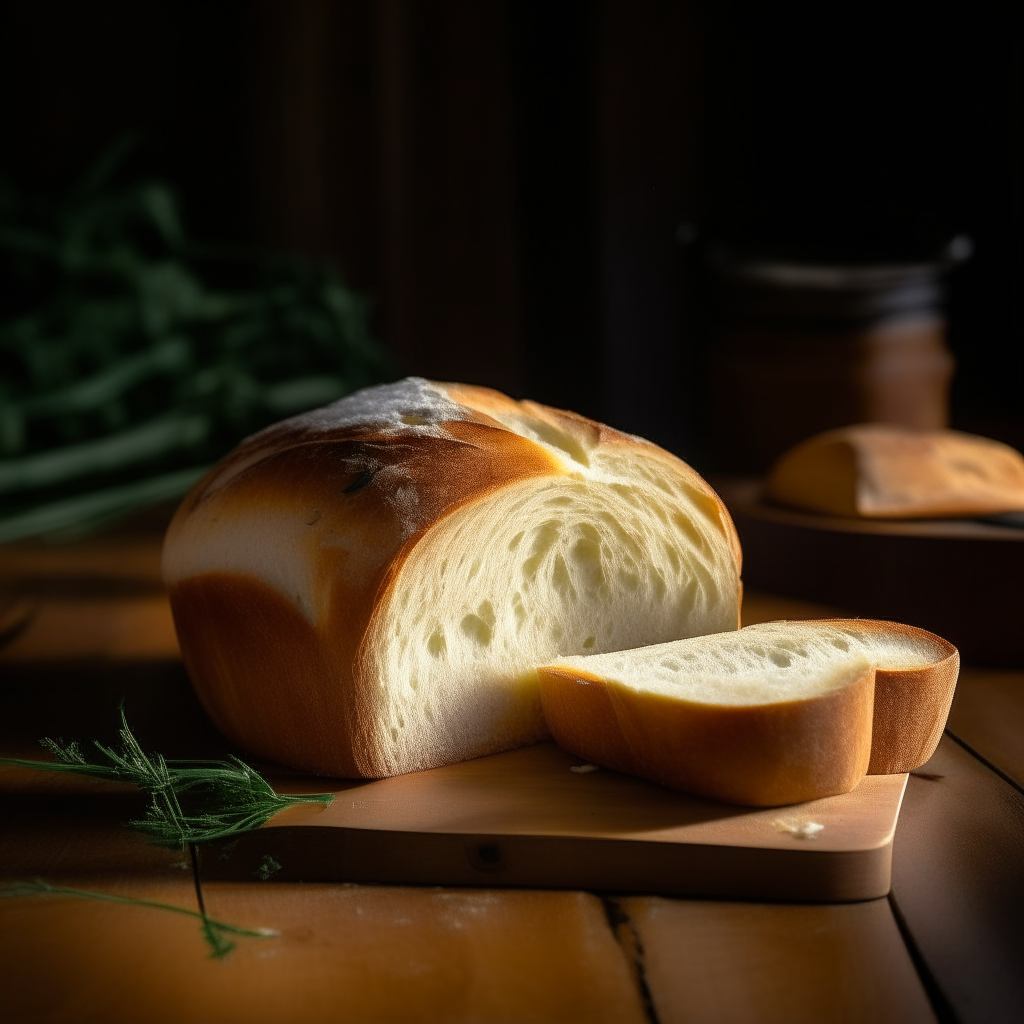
[(911, 704), (885, 717), (755, 756)]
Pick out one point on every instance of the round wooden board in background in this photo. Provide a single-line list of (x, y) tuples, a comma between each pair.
[(959, 578)]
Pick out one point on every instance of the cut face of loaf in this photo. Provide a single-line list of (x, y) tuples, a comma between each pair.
[(776, 713), (365, 590), (876, 470)]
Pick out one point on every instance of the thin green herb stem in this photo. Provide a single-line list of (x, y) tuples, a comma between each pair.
[(212, 930), (37, 887), (218, 944)]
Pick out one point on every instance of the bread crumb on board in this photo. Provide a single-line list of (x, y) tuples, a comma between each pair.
[(799, 829), (584, 769)]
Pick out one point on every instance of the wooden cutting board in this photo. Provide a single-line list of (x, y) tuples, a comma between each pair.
[(958, 578), (525, 818)]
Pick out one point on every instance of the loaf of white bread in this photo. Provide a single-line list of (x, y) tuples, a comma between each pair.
[(776, 713), (367, 589), (881, 471)]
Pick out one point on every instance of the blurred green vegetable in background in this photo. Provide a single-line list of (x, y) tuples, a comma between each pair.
[(132, 358)]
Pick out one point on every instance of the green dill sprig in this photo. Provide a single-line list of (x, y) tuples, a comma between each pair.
[(190, 801), (214, 932), (133, 357)]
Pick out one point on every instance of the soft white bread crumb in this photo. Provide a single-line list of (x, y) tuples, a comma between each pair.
[(765, 664), (762, 664)]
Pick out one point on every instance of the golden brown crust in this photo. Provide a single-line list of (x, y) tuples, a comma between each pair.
[(911, 705), (248, 650), (225, 621), (758, 756), (819, 475)]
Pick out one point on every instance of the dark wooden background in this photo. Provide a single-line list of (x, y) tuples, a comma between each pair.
[(506, 177)]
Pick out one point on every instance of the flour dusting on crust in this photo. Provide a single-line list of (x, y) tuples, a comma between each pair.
[(412, 405)]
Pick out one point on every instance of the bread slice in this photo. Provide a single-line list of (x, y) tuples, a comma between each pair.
[(776, 713), (366, 590), (881, 471)]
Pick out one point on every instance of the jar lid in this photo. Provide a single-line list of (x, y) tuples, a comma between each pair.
[(758, 286), (838, 276)]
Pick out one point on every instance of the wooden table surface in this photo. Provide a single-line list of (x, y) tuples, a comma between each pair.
[(83, 625)]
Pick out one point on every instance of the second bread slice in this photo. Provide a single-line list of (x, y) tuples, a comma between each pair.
[(772, 714)]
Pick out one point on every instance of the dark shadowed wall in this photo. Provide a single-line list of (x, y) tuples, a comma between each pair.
[(506, 177)]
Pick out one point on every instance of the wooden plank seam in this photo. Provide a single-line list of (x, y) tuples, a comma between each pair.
[(986, 762), (936, 997), (628, 938)]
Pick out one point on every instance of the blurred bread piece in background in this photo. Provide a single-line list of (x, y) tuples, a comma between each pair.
[(879, 471)]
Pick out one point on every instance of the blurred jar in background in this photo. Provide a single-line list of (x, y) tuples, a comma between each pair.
[(804, 347)]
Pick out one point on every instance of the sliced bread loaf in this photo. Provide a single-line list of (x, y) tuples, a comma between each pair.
[(775, 713), (366, 589)]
